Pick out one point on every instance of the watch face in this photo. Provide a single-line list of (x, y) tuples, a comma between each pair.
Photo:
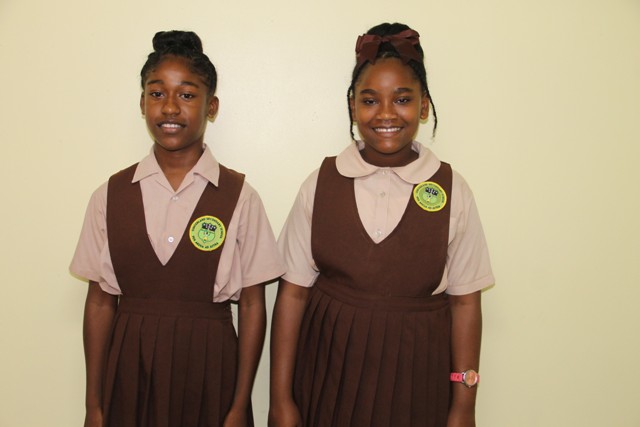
[(470, 378)]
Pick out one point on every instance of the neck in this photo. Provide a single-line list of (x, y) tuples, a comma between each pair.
[(176, 164), (388, 160)]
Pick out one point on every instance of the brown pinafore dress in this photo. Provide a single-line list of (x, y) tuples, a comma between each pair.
[(173, 352), (374, 345)]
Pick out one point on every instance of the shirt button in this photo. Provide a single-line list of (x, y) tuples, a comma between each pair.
[(383, 194), (170, 239), (174, 198), (378, 233)]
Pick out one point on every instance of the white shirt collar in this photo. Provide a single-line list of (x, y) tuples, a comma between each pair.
[(351, 164), (207, 167)]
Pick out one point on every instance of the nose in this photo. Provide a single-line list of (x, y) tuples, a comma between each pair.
[(387, 111), (170, 106)]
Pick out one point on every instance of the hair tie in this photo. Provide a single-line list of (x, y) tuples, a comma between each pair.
[(368, 45)]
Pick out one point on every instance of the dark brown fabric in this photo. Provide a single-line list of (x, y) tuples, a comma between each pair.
[(374, 347), (173, 353)]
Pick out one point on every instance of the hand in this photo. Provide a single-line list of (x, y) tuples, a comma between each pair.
[(93, 418), (461, 419), (285, 414), (236, 418)]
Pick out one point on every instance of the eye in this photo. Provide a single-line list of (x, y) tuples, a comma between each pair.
[(187, 96), (368, 101), (403, 100), (155, 94)]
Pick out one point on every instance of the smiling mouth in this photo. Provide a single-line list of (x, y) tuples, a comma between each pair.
[(170, 126), (387, 130)]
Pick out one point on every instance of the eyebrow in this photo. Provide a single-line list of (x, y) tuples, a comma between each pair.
[(182, 83), (396, 91)]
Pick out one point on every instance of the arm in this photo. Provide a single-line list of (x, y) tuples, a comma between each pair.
[(287, 316), (252, 320), (99, 312), (466, 331)]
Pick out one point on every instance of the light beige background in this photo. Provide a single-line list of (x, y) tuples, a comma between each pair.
[(539, 105)]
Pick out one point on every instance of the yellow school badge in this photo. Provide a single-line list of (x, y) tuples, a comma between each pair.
[(207, 233), (430, 196)]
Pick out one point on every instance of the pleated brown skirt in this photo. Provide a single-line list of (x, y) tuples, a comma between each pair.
[(373, 361), (170, 363)]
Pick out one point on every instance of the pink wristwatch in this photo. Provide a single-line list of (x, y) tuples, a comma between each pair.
[(470, 378)]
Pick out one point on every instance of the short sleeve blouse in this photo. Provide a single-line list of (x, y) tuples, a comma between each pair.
[(381, 196), (249, 256)]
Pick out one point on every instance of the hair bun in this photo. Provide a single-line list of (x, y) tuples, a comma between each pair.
[(169, 40)]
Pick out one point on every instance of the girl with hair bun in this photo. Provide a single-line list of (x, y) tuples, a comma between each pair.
[(166, 245), (378, 319)]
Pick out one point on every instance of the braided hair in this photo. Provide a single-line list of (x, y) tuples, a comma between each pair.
[(387, 50), (183, 44)]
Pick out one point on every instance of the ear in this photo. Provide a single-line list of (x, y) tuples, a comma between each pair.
[(424, 107), (142, 103), (214, 104)]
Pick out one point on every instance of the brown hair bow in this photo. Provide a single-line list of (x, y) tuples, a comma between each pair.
[(368, 44)]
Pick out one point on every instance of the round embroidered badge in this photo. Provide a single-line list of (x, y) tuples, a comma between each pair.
[(430, 196), (207, 233)]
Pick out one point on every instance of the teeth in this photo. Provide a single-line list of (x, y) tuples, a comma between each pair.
[(171, 125), (387, 130)]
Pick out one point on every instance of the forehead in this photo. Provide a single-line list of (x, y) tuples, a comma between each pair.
[(387, 72), (173, 69)]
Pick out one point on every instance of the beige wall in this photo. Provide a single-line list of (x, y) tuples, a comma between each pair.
[(539, 104)]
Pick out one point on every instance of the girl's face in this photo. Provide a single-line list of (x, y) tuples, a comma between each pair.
[(387, 106), (176, 106)]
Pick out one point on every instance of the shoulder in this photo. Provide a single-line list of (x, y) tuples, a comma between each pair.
[(307, 191), (125, 175), (461, 197), (249, 201), (461, 190), (303, 204), (308, 186), (460, 185), (233, 174), (248, 192), (98, 200), (99, 196)]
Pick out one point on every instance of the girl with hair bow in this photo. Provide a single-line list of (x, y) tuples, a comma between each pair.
[(378, 318)]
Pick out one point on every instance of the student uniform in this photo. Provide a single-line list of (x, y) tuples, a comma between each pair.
[(173, 351), (375, 338)]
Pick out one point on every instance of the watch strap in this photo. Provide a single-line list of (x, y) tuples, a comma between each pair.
[(461, 377), (456, 377)]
